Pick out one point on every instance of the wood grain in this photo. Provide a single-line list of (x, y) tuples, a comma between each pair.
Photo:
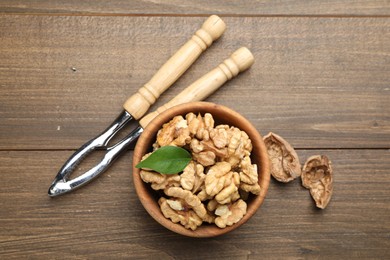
[(106, 219), (203, 7), (318, 82)]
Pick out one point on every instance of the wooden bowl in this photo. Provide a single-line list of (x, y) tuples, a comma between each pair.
[(222, 115)]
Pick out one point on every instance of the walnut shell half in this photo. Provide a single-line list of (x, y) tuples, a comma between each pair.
[(285, 165), (317, 175)]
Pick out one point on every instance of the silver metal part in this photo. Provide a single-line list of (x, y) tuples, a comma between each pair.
[(61, 185)]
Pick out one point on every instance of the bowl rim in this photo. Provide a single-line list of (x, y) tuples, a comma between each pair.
[(144, 143)]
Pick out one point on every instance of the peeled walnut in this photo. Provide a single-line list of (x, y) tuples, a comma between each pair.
[(210, 145), (222, 183), (206, 158), (159, 181), (191, 200), (205, 152), (217, 177), (220, 152), (187, 178), (200, 176), (285, 165), (230, 214), (199, 126), (219, 137), (175, 211), (229, 193), (249, 177), (175, 133), (239, 146), (317, 175), (192, 177), (203, 196), (212, 205)]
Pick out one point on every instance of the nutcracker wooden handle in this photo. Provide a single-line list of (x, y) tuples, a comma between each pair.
[(139, 103), (239, 61)]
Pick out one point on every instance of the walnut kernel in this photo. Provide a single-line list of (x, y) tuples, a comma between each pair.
[(230, 214), (187, 218), (249, 176), (159, 181), (174, 133)]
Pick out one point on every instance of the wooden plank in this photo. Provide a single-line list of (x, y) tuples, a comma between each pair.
[(318, 82), (105, 218), (230, 7)]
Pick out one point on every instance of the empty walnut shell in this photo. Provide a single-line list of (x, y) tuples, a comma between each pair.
[(285, 165), (317, 175)]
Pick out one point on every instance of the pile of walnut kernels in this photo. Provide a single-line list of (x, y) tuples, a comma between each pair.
[(215, 184)]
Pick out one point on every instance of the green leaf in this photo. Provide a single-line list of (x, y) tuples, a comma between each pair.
[(167, 160)]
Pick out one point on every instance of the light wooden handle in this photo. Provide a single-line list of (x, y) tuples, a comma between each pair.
[(139, 103), (239, 61)]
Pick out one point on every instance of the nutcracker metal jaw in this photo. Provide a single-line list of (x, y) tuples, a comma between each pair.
[(61, 185)]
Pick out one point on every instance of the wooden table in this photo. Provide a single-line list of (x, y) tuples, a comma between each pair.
[(321, 80)]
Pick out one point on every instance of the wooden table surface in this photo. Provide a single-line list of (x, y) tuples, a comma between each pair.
[(321, 80)]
